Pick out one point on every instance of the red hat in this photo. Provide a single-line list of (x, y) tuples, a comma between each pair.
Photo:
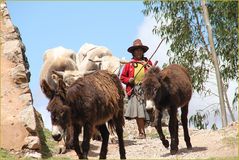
[(137, 44)]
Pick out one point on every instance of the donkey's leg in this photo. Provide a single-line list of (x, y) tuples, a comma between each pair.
[(177, 141), (88, 130), (184, 120), (68, 140), (77, 131), (158, 117), (105, 139), (173, 129), (70, 136), (119, 131)]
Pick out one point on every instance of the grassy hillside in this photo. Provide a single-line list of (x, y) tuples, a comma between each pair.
[(49, 146), (6, 155)]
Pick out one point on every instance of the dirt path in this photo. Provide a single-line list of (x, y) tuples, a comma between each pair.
[(206, 144)]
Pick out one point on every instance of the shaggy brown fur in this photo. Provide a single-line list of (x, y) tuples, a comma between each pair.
[(170, 88), (90, 102)]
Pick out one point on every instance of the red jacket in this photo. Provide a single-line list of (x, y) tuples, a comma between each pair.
[(128, 72)]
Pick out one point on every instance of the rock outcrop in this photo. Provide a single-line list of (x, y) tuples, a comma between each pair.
[(19, 128)]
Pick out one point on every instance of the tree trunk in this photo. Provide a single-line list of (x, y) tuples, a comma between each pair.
[(215, 63), (227, 103), (229, 108)]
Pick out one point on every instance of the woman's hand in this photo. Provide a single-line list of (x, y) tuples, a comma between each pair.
[(131, 81)]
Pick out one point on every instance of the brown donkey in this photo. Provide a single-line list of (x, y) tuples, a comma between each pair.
[(89, 102), (169, 89)]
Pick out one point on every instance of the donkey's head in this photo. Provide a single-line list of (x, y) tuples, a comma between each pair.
[(151, 85), (60, 112)]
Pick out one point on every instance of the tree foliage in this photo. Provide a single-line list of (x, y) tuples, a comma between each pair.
[(199, 120), (224, 20), (181, 22)]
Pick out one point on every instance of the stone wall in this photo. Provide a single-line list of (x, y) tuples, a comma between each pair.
[(18, 117)]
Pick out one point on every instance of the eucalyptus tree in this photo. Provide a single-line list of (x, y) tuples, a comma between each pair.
[(183, 25)]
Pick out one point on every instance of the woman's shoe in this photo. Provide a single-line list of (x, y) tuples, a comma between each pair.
[(141, 136)]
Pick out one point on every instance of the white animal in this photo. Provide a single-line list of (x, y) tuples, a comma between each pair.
[(89, 52), (110, 63), (89, 59), (56, 59)]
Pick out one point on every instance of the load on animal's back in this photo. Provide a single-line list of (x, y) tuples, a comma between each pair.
[(93, 57), (88, 52), (89, 59), (56, 59)]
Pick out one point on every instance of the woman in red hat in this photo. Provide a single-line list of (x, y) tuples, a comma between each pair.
[(132, 75)]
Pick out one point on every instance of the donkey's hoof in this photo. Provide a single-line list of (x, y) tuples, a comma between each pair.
[(103, 157), (62, 149), (166, 143), (173, 152), (69, 144), (189, 147), (123, 157), (82, 157)]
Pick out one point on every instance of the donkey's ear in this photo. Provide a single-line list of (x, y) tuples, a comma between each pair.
[(46, 89), (155, 63), (61, 88), (163, 76), (154, 70)]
